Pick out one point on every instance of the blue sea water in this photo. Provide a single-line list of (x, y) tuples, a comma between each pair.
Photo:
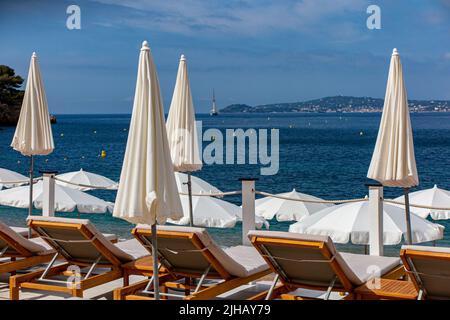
[(326, 155)]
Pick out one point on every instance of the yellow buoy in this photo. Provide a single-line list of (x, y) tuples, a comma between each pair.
[(103, 154)]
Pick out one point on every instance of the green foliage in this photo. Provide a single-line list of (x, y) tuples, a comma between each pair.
[(10, 93)]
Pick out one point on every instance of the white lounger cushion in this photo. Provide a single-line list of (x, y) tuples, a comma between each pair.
[(133, 247), (34, 247), (357, 267), (426, 248), (238, 261), (361, 268), (115, 250), (21, 230)]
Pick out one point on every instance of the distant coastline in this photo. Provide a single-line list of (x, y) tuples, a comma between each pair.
[(337, 104)]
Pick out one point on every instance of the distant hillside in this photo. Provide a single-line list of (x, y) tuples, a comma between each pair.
[(338, 104)]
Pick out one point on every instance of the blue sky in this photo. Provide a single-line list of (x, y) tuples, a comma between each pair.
[(250, 51)]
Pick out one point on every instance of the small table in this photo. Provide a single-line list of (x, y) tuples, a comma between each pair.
[(388, 289)]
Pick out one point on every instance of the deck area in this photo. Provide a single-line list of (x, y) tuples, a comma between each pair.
[(105, 292)]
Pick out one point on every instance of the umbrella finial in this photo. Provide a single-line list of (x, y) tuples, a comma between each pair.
[(395, 52), (145, 45), (183, 58), (435, 186), (34, 55)]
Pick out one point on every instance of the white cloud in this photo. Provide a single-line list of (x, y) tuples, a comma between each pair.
[(248, 17)]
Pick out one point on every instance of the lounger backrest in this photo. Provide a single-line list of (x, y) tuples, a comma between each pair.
[(189, 251), (78, 240), (303, 260), (429, 268), (16, 245)]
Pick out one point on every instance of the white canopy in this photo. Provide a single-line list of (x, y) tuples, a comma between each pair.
[(198, 185), (85, 178), (213, 212), (147, 189), (11, 176), (33, 135), (66, 199), (209, 212), (350, 222), (288, 210), (181, 127), (434, 197), (393, 163)]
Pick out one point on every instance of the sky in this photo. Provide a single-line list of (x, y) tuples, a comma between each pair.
[(249, 51)]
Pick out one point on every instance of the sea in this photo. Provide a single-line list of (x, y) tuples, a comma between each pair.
[(323, 154)]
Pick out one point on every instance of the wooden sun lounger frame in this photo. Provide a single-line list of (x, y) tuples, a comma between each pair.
[(201, 292), (34, 280), (407, 254), (282, 290), (21, 258)]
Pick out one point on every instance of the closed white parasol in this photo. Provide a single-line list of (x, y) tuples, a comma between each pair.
[(393, 163), (182, 130), (147, 189), (33, 135)]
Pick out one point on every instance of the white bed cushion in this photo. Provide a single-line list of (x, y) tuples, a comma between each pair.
[(133, 247), (360, 268), (357, 267), (116, 251), (31, 246), (231, 259), (427, 249), (21, 230)]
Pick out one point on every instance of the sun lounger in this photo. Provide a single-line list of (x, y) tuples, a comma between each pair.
[(88, 257), (191, 253), (312, 262), (18, 253), (429, 270)]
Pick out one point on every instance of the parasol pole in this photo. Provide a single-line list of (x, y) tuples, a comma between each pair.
[(408, 217), (155, 261), (191, 212)]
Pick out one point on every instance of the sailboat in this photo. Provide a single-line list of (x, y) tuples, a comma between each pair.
[(214, 111)]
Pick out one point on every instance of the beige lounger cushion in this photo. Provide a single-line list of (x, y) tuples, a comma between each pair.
[(360, 268), (357, 268), (237, 261), (35, 247), (20, 230), (82, 251), (434, 274), (133, 247)]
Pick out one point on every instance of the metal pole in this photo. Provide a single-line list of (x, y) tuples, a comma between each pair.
[(155, 261), (30, 202), (408, 217), (191, 212)]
